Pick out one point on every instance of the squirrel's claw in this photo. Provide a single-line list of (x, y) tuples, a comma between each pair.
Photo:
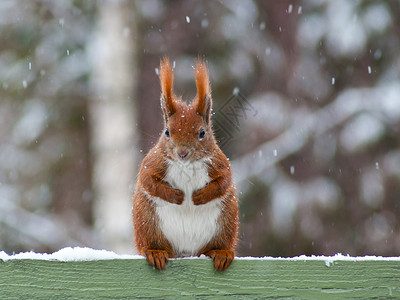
[(157, 258), (222, 258)]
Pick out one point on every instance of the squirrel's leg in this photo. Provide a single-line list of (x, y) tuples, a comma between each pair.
[(222, 247), (150, 241)]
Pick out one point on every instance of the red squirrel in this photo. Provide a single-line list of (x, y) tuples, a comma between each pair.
[(185, 202)]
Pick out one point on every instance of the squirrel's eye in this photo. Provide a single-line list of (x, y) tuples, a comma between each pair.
[(167, 132), (202, 133)]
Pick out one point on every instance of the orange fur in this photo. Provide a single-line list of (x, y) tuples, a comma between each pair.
[(184, 123), (203, 102), (167, 86)]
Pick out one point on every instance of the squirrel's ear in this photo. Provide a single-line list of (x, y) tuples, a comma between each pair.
[(168, 104), (203, 104)]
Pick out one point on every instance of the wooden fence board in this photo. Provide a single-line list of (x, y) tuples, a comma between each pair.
[(195, 278)]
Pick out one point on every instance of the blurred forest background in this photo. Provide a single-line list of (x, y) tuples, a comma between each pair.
[(307, 108)]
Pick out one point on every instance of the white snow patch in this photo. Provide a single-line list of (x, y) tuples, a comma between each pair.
[(88, 254), (327, 259), (32, 123), (364, 130), (328, 263), (345, 36), (387, 96), (69, 254), (377, 18)]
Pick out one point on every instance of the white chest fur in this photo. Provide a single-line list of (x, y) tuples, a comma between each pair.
[(188, 227)]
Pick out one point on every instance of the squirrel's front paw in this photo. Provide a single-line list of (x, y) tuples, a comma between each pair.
[(222, 258), (157, 258), (179, 197), (197, 198)]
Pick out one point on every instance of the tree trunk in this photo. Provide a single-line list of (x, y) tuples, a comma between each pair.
[(112, 123)]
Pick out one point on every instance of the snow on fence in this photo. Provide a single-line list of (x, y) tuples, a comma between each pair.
[(83, 273)]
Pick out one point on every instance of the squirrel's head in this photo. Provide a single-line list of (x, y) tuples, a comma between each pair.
[(187, 134)]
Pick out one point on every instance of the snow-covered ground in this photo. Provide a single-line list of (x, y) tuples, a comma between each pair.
[(87, 254)]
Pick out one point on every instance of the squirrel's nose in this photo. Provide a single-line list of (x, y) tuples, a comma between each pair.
[(182, 154)]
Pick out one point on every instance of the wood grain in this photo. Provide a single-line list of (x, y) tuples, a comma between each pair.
[(189, 278)]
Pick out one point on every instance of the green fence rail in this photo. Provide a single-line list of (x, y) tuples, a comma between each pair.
[(195, 278)]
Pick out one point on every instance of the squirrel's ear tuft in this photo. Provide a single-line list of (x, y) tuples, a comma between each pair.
[(168, 104), (203, 103)]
